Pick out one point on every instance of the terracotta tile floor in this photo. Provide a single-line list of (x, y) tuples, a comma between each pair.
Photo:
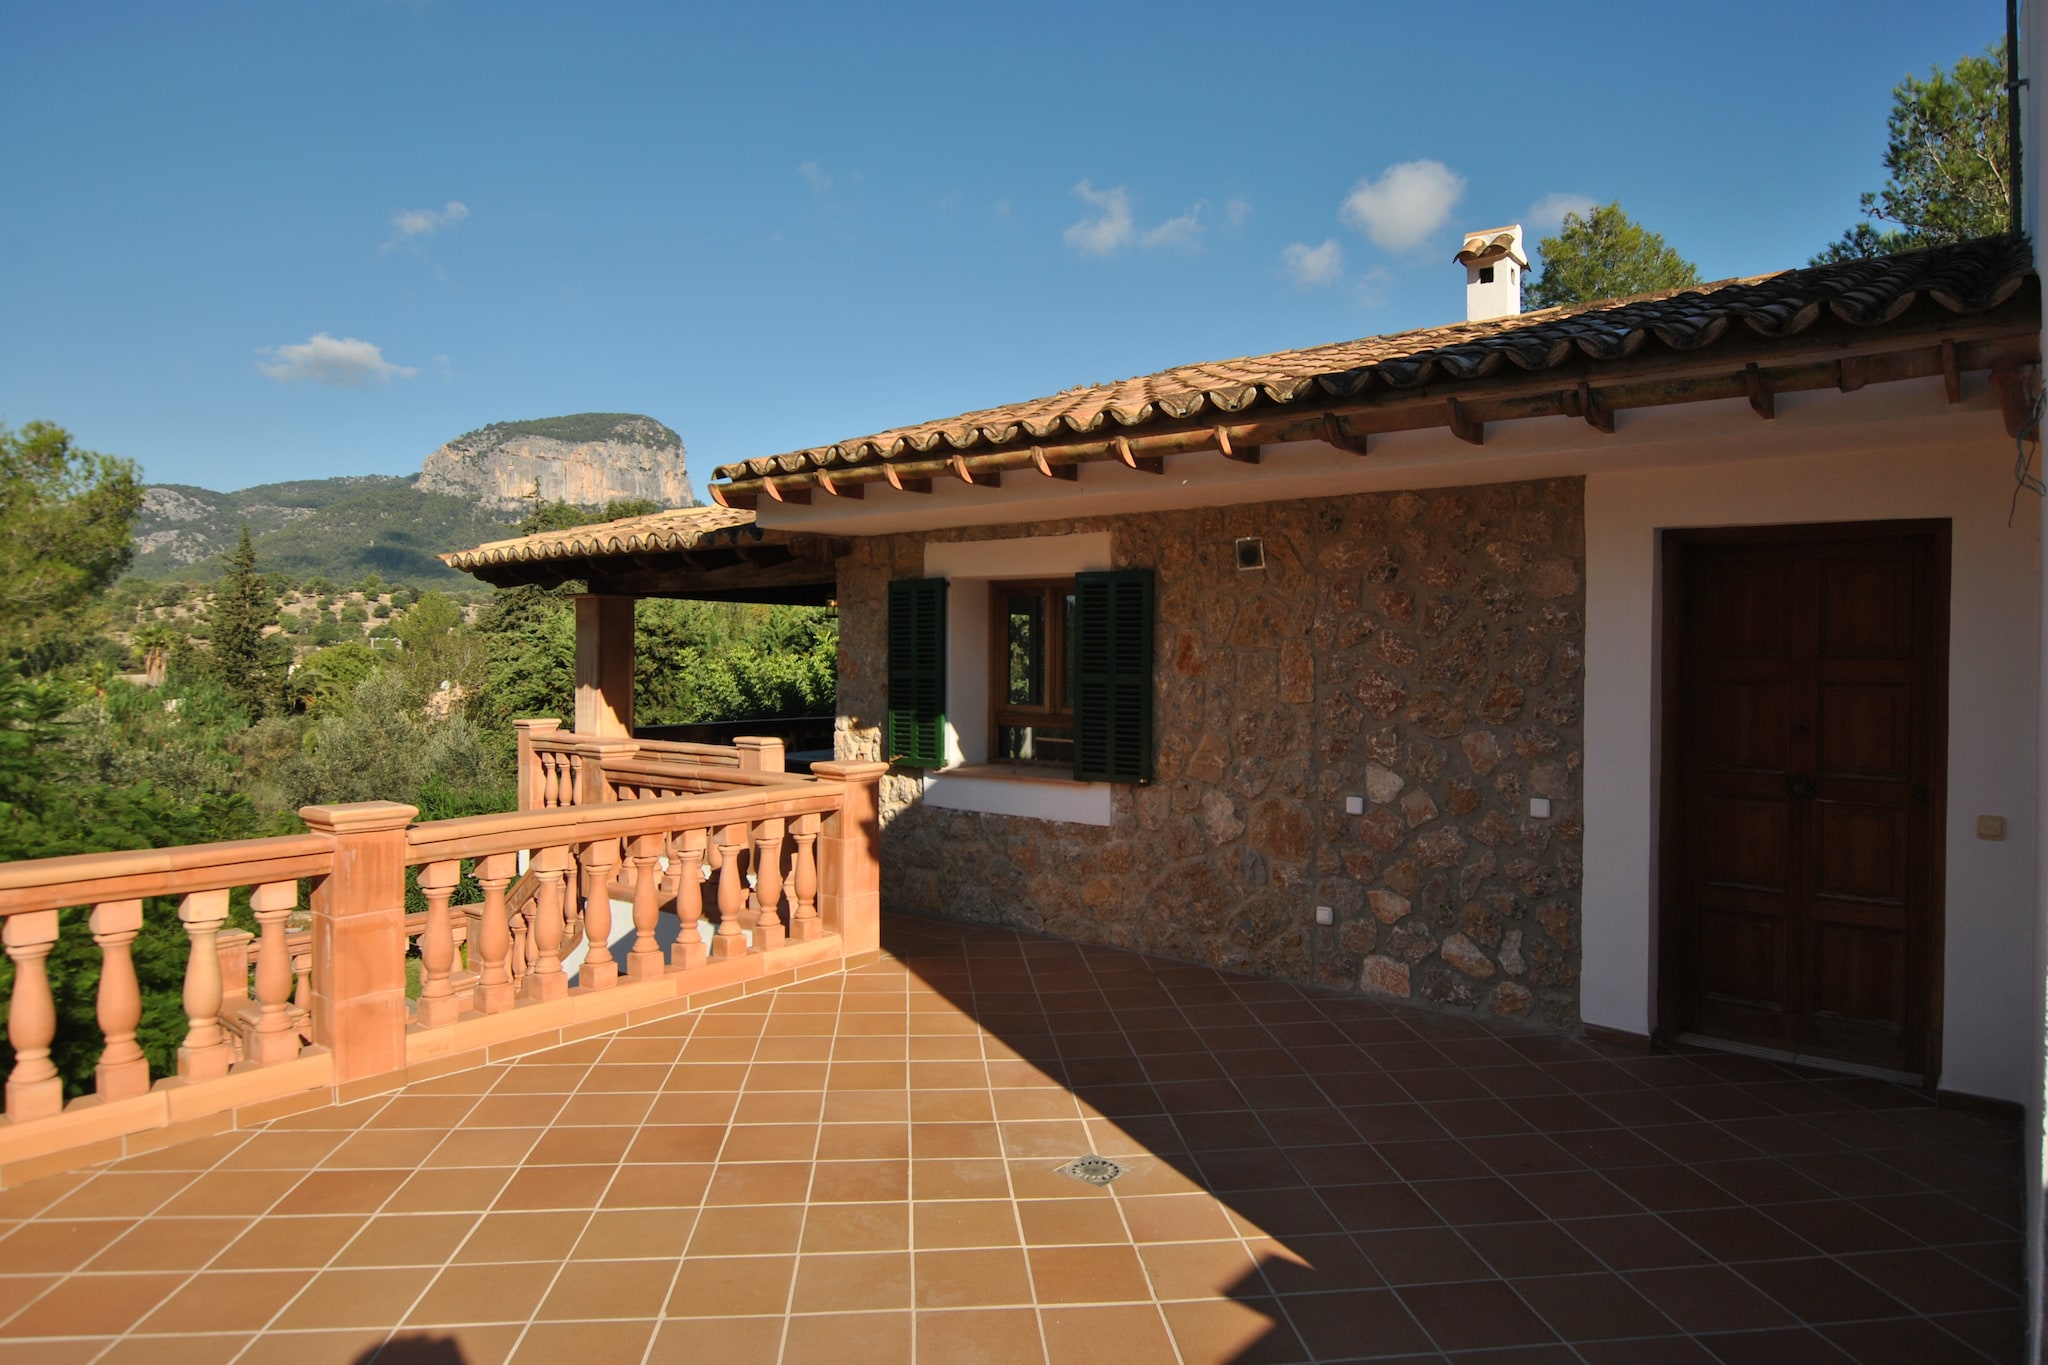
[(863, 1169)]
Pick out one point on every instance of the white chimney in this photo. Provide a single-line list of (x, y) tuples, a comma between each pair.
[(1494, 262)]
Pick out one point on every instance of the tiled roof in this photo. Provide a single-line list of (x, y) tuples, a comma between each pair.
[(1968, 277), (681, 528)]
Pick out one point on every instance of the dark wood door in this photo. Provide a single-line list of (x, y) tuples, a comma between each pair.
[(1804, 863)]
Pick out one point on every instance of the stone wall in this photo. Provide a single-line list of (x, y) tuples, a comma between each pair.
[(1419, 649)]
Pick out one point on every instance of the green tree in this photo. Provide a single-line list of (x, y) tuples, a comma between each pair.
[(1948, 159), (64, 516), (249, 664), (1605, 254)]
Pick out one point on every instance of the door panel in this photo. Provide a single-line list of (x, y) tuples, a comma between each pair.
[(1801, 869)]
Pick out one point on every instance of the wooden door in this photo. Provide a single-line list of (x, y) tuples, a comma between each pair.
[(1806, 706)]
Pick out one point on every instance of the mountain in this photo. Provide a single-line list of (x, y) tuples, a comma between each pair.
[(471, 490), (588, 459)]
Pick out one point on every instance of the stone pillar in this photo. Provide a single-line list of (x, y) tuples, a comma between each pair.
[(850, 858), (529, 770), (604, 666), (593, 784), (359, 939), (759, 754)]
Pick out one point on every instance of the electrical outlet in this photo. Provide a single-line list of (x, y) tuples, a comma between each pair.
[(1539, 807), (1325, 915), (1354, 805)]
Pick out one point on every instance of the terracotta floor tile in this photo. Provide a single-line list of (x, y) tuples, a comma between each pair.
[(1593, 1307), (1929, 1282), (635, 1234), (770, 1142), (716, 1338), (1708, 1299), (214, 1349), (1332, 1325), (857, 1227), (74, 1352), (58, 1245), (285, 1150), (867, 1106), (226, 1301), (1907, 1341), (114, 1194), (472, 1146), (1088, 1274), (759, 1183), (518, 1236), (609, 1289), (1474, 1316), (533, 1187), (92, 1305), (859, 1181), (414, 1239), (743, 1230), (1515, 1249), (282, 1243), (1404, 1256), (347, 1346), (354, 1298), (970, 1279), (1634, 1242), (1004, 1336), (1110, 1335), (948, 1178), (576, 1343), (1821, 1290), (731, 1286), (343, 1192), (848, 1339), (1175, 1218), (1078, 1222), (18, 1291), (955, 1140), (964, 1223), (481, 1293), (436, 1113), (853, 1281), (670, 1186), (514, 1111), (1233, 1332)]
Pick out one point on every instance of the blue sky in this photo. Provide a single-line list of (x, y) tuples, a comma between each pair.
[(258, 242)]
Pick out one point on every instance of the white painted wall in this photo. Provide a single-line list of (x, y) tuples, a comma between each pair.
[(1994, 715)]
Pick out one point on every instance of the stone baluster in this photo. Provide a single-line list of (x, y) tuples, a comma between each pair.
[(644, 962), (494, 934), (686, 867), (546, 981), (803, 910), (205, 1054), (437, 1004), (572, 778), (34, 1090), (732, 892), (768, 885), (600, 969), (302, 988), (276, 1037), (123, 1072)]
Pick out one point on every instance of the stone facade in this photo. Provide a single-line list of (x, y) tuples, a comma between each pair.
[(1421, 650)]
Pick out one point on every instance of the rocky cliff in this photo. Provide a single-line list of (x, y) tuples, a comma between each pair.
[(587, 459)]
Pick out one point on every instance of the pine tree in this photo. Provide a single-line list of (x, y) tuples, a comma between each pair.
[(249, 665), (1605, 254)]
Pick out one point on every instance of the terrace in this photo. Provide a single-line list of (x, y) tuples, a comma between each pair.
[(785, 1129)]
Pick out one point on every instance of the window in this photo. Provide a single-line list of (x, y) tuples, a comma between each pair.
[(1031, 645), (917, 672)]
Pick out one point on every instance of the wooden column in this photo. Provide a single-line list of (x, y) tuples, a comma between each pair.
[(359, 942), (604, 666), (850, 858)]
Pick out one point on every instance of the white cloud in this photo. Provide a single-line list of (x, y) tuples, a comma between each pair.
[(341, 361), (1546, 215), (1236, 210), (1405, 205), (412, 224), (1370, 289), (1314, 265), (814, 175), (1184, 232), (1109, 228)]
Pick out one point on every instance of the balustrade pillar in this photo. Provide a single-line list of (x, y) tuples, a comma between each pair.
[(275, 1038), (34, 1090), (732, 892), (205, 1054), (532, 794), (600, 969), (550, 868), (359, 939), (803, 910), (123, 1072), (686, 868), (644, 961), (768, 885), (437, 1004), (493, 944), (849, 857)]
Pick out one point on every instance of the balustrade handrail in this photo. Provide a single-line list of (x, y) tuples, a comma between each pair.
[(87, 878), (476, 836), (663, 770)]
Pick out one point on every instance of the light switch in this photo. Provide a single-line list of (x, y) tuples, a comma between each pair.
[(1539, 807), (1991, 827), (1325, 915), (1354, 805)]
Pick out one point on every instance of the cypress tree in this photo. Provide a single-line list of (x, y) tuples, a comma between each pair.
[(249, 664)]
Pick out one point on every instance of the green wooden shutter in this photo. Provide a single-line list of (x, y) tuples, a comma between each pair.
[(917, 672), (1113, 676)]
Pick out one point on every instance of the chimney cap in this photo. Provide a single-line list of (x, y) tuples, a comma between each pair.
[(1493, 244)]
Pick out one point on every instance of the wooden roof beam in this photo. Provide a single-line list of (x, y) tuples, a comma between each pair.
[(1069, 471), (903, 485), (1122, 446), (1951, 373), (976, 478), (1463, 425), (1336, 433), (841, 490), (1242, 454)]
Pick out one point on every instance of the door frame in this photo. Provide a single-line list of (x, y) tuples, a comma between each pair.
[(1673, 545)]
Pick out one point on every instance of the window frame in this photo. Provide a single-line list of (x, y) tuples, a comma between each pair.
[(1057, 712)]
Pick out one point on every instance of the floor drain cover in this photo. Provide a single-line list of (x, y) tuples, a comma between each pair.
[(1095, 1170)]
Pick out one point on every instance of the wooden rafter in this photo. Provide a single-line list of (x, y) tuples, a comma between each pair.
[(796, 493), (1155, 465), (1337, 434), (1598, 415), (1761, 396), (1463, 425), (1069, 472), (840, 490), (976, 478), (1951, 373), (903, 485), (1242, 454)]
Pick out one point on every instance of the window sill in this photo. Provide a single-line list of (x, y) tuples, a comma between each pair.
[(998, 789)]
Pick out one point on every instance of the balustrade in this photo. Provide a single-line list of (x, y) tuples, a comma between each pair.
[(253, 1001)]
